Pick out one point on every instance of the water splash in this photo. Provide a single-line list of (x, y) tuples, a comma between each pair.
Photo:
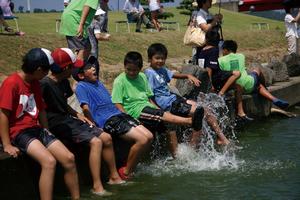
[(208, 157)]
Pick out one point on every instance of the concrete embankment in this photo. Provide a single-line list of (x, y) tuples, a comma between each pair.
[(21, 174)]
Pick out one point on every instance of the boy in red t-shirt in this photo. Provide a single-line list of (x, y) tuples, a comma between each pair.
[(24, 126)]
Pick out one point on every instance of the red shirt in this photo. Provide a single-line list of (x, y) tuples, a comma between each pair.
[(23, 100)]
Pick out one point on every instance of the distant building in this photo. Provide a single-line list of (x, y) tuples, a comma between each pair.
[(229, 4)]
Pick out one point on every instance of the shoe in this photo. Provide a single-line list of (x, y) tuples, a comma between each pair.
[(122, 173), (197, 119), (281, 103), (244, 118), (138, 31), (8, 29), (20, 33), (104, 193)]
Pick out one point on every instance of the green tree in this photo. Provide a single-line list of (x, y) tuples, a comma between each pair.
[(186, 7)]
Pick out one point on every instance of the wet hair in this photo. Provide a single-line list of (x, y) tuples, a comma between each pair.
[(212, 38), (157, 48), (230, 45), (134, 58)]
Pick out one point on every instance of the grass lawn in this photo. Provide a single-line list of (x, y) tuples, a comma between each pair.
[(258, 45)]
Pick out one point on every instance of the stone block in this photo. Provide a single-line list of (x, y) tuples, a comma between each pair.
[(280, 70), (187, 89), (292, 62)]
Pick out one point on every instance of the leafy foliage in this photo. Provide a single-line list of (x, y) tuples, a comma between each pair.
[(186, 7)]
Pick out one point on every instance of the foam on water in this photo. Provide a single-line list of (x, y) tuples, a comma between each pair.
[(208, 156)]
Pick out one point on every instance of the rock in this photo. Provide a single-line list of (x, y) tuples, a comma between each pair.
[(187, 89), (280, 70), (292, 62)]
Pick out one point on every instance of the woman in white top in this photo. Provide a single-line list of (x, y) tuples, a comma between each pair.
[(292, 33), (205, 21), (154, 7)]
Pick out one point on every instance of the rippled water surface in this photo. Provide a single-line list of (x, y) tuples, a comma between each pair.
[(263, 163)]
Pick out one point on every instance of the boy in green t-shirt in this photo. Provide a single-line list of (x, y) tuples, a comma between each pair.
[(132, 94), (250, 83)]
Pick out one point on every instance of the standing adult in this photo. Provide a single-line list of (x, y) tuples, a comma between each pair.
[(292, 34), (104, 16), (136, 13), (75, 20), (155, 8), (205, 20)]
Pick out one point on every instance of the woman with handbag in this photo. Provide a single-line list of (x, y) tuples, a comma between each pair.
[(205, 21)]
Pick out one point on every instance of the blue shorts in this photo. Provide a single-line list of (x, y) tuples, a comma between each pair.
[(256, 81), (24, 138)]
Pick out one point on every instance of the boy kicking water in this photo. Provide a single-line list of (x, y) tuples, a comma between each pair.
[(159, 76), (132, 94)]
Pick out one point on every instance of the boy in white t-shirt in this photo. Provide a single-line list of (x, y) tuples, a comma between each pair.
[(292, 35)]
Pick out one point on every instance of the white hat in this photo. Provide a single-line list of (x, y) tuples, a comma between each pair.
[(99, 11)]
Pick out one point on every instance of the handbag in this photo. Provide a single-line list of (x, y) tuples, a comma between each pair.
[(194, 36)]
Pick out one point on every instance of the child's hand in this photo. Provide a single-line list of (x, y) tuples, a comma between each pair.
[(80, 31), (11, 150), (194, 80), (84, 119)]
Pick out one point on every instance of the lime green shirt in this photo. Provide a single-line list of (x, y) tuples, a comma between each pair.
[(236, 62), (71, 16), (133, 94)]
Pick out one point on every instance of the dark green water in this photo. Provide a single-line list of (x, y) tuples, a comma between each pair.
[(264, 165)]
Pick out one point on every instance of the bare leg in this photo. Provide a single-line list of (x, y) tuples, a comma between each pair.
[(239, 100), (265, 93), (39, 152), (212, 121), (155, 21), (230, 81), (172, 142), (142, 138), (66, 158), (95, 163), (109, 158), (174, 119)]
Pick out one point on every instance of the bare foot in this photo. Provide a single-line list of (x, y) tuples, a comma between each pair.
[(115, 181), (221, 142)]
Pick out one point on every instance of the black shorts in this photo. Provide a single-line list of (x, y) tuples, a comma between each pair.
[(151, 118), (24, 138), (219, 80), (76, 43), (256, 81), (180, 107), (75, 130), (120, 124)]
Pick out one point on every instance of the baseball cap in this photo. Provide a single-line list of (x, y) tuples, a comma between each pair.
[(63, 57), (92, 61), (39, 57)]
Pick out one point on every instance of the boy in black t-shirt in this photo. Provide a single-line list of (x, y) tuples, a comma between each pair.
[(221, 80), (70, 125)]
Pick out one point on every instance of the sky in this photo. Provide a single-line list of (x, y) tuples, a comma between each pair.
[(58, 4)]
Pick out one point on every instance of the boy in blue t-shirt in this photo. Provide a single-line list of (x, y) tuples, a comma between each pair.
[(159, 77), (97, 106)]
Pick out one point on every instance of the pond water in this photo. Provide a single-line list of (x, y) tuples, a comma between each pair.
[(263, 163)]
